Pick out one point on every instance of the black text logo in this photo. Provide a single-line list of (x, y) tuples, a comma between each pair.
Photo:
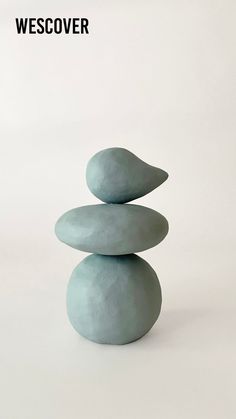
[(50, 26)]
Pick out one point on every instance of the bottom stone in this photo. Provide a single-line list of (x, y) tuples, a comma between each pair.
[(113, 299)]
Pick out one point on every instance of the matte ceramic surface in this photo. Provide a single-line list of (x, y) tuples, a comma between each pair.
[(112, 229), (116, 175), (113, 300)]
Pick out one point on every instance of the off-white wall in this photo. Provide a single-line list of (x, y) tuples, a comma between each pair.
[(158, 78)]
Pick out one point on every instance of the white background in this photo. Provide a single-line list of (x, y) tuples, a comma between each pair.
[(156, 77)]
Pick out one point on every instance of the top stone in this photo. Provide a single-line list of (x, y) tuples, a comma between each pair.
[(115, 175)]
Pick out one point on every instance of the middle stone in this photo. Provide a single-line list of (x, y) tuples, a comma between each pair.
[(112, 229)]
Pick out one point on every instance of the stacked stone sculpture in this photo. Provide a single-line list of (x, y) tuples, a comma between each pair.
[(114, 296)]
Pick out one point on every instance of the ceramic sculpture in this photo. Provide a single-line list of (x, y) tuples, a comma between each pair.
[(113, 295)]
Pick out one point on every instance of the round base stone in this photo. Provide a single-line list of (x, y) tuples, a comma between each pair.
[(113, 299)]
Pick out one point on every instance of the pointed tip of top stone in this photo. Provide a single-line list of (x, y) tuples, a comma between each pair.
[(116, 175)]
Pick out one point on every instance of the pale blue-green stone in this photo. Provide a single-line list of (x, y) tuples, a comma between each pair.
[(113, 299), (111, 229), (115, 175)]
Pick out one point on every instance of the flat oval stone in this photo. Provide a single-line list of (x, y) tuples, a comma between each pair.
[(111, 229), (113, 300), (115, 175)]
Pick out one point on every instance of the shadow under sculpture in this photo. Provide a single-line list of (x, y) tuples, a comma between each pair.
[(113, 295)]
